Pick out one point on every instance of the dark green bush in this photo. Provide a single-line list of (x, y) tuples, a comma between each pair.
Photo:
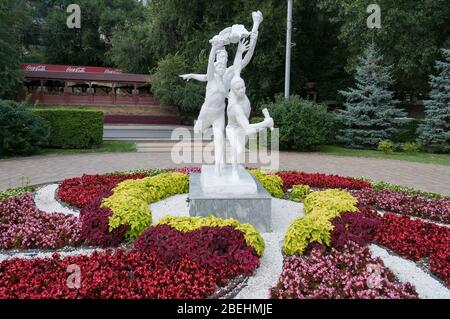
[(21, 131), (70, 128), (304, 125), (408, 131)]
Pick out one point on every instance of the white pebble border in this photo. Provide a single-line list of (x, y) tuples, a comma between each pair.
[(267, 275), (45, 199), (173, 206), (407, 271), (269, 271)]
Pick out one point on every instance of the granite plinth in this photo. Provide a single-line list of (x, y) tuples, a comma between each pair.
[(255, 209)]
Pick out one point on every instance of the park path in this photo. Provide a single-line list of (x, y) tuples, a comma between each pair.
[(44, 169)]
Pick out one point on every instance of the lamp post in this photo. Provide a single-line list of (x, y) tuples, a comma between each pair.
[(288, 50)]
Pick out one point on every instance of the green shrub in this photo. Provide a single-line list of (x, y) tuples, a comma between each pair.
[(299, 192), (386, 146), (306, 230), (330, 203), (410, 147), (320, 208), (273, 184), (131, 199), (146, 171), (21, 132), (70, 128), (407, 131), (304, 125)]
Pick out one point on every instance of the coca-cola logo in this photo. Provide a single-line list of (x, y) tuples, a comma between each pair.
[(36, 68), (111, 71), (76, 69)]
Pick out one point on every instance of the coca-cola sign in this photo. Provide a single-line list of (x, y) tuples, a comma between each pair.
[(75, 69), (31, 67), (36, 68), (112, 71)]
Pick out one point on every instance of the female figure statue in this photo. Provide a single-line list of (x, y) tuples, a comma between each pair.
[(239, 109)]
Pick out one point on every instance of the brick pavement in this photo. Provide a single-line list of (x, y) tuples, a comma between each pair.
[(44, 169)]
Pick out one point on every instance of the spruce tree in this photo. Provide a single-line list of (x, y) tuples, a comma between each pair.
[(370, 113), (434, 133)]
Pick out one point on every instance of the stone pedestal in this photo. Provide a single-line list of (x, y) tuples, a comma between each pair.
[(255, 209), (226, 184)]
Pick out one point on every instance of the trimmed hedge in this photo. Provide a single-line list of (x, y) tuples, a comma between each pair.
[(70, 128)]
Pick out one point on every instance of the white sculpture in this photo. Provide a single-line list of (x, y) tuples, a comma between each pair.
[(238, 111), (221, 80)]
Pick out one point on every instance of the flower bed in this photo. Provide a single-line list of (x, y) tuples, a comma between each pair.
[(410, 205), (221, 248), (338, 275), (321, 181), (84, 190), (188, 224), (111, 275), (23, 226), (333, 224), (164, 263), (184, 257), (359, 228), (415, 239), (95, 225)]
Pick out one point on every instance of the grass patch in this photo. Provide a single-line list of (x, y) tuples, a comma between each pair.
[(105, 147), (441, 159)]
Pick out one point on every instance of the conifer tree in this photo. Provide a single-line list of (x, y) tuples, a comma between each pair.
[(434, 133), (370, 113)]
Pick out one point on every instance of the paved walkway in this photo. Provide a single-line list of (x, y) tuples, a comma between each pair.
[(45, 169)]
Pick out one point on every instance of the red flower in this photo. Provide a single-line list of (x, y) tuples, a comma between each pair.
[(321, 181)]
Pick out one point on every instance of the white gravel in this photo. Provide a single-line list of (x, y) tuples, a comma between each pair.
[(173, 206), (45, 199), (269, 271), (407, 271)]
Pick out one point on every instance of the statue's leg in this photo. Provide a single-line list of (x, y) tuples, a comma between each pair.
[(231, 136), (240, 146), (219, 142)]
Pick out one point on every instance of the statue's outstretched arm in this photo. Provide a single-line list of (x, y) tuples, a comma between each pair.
[(204, 77), (257, 19), (211, 60), (249, 55), (198, 77), (237, 66)]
